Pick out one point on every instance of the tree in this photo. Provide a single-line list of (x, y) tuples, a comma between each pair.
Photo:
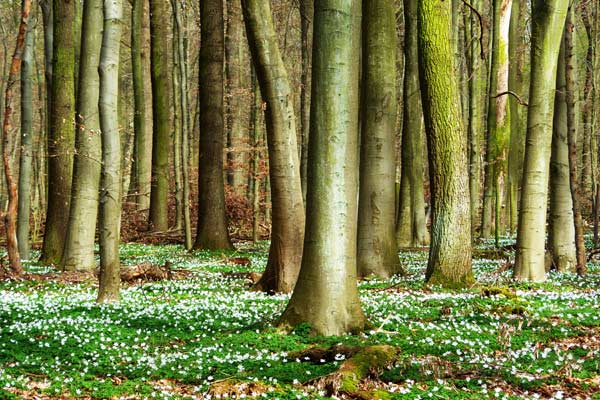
[(110, 197), (159, 56), (212, 223), (561, 228), (81, 230), (142, 159), (450, 253), (377, 250), (306, 31), (411, 227), (287, 233), (61, 137), (26, 156), (326, 294), (548, 19), (13, 196)]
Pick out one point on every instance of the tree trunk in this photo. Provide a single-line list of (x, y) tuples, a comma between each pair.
[(13, 196), (307, 11), (237, 79), (81, 231), (572, 133), (142, 158), (178, 116), (561, 231), (326, 295), (548, 23), (110, 197), (212, 222), (516, 84), (61, 138), (411, 227), (377, 250), (450, 253), (287, 233), (26, 153), (161, 127)]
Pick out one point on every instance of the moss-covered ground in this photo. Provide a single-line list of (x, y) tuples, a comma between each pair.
[(207, 335)]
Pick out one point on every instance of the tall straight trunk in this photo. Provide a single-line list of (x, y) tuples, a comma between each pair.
[(498, 121), (212, 222), (142, 158), (238, 80), (185, 120), (588, 91), (287, 232), (81, 231), (476, 114), (561, 227), (571, 90), (450, 253), (178, 116), (61, 137), (377, 250), (26, 153), (10, 218), (548, 23), (159, 191), (411, 226), (307, 11), (110, 198), (516, 84), (326, 295)]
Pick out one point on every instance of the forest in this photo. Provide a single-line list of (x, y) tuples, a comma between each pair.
[(288, 199)]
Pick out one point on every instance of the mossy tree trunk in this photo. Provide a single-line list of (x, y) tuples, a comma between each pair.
[(561, 228), (411, 226), (61, 137), (450, 253), (287, 233), (326, 294), (161, 109), (27, 150), (548, 19), (377, 250), (81, 231), (212, 223), (110, 197)]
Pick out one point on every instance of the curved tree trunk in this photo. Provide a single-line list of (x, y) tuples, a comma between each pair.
[(450, 254), (326, 294), (548, 23), (159, 191), (287, 232), (61, 137), (81, 231), (212, 222), (561, 228), (26, 153), (110, 199), (411, 227), (377, 250)]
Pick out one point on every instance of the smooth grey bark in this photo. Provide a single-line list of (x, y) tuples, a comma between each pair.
[(326, 294), (548, 24), (110, 195), (377, 250), (78, 253), (26, 153), (287, 233)]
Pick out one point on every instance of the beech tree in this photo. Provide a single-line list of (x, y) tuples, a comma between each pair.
[(287, 233), (326, 294), (450, 252), (548, 20)]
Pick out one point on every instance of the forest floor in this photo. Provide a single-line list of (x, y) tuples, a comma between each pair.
[(203, 334)]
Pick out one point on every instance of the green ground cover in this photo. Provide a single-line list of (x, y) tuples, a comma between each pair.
[(206, 335)]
